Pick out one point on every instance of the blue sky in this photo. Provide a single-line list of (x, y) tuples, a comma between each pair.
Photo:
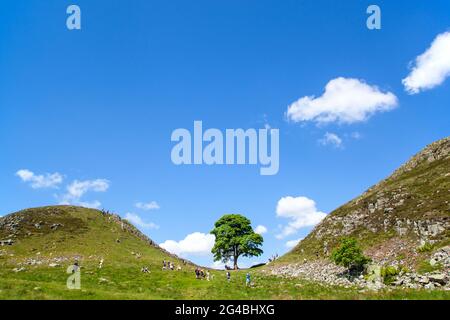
[(96, 107)]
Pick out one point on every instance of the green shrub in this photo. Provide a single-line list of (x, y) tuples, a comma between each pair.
[(388, 274), (426, 247), (349, 255)]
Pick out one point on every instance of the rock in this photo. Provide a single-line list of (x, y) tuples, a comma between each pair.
[(103, 280), (439, 278), (8, 242), (54, 265), (429, 286), (424, 280)]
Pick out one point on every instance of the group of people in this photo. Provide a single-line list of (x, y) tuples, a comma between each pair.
[(201, 274), (274, 257), (169, 265)]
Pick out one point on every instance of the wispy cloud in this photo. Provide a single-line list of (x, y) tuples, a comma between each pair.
[(138, 222), (77, 189), (345, 100), (431, 68), (153, 205), (292, 243), (331, 139), (36, 181)]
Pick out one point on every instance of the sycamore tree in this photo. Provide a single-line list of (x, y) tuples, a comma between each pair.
[(350, 255), (234, 238)]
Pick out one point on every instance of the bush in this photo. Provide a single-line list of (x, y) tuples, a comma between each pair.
[(389, 274), (426, 247), (349, 255)]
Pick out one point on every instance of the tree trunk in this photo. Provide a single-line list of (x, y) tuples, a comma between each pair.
[(235, 258)]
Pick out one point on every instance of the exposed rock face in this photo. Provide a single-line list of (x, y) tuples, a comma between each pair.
[(326, 272)]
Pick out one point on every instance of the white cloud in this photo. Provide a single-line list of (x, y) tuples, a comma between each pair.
[(292, 243), (40, 181), (430, 68), (345, 100), (77, 189), (260, 229), (138, 222), (217, 265), (301, 211), (331, 139), (197, 244), (153, 205)]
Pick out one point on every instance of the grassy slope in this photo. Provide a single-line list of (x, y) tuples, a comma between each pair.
[(90, 236)]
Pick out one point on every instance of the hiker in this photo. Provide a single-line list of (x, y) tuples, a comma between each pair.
[(247, 279), (179, 268), (197, 273), (171, 266), (164, 264), (145, 270), (207, 275), (228, 276), (100, 265)]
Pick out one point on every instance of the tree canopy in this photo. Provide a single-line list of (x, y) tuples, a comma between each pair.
[(349, 254), (234, 238)]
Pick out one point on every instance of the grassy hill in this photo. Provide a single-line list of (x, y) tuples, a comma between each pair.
[(395, 218), (392, 220), (45, 241)]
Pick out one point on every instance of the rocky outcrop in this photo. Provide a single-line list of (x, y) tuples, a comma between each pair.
[(328, 273)]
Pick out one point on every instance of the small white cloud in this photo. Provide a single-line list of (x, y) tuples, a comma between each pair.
[(40, 181), (138, 222), (345, 100), (331, 139), (301, 211), (217, 265), (356, 135), (153, 205), (78, 189), (260, 229), (430, 68), (292, 243), (197, 244)]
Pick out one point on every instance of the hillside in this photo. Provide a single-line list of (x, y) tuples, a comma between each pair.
[(37, 246), (403, 220), (73, 233)]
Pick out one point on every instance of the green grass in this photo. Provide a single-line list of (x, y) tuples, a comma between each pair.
[(129, 283)]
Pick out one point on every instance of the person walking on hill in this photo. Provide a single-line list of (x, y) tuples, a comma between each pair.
[(247, 279)]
